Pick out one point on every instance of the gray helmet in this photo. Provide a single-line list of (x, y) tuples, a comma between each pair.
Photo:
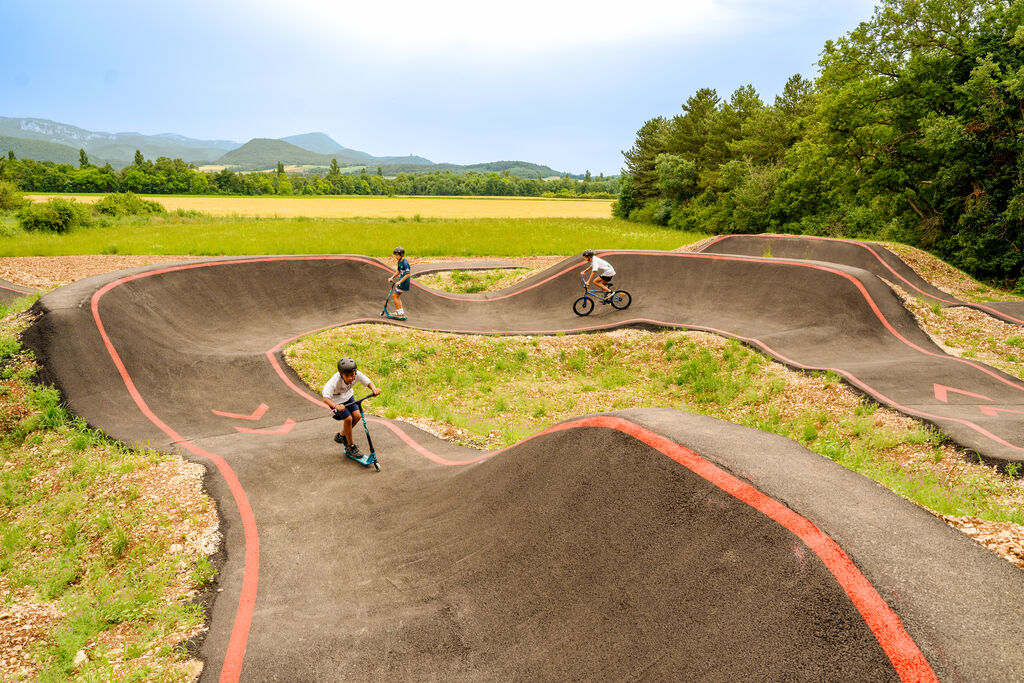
[(587, 253), (346, 364), (399, 251)]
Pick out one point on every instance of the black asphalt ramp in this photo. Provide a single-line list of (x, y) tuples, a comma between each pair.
[(647, 544)]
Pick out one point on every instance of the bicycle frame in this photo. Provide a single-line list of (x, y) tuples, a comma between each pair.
[(593, 291)]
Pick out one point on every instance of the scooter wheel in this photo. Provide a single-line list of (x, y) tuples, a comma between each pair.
[(376, 466)]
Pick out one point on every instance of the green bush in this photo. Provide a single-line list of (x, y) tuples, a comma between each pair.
[(655, 211), (11, 198), (55, 215), (127, 204)]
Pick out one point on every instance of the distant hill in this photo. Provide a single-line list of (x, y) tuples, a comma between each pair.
[(523, 169), (117, 148), (45, 140), (40, 150), (264, 153), (321, 143)]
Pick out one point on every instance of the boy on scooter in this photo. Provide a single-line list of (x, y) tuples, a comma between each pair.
[(602, 270), (401, 280), (339, 397)]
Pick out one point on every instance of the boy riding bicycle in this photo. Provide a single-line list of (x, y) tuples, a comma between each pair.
[(601, 270)]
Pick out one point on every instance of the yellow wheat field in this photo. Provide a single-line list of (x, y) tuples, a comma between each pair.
[(380, 207)]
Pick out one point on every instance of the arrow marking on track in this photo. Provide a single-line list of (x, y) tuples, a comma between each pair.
[(256, 414), (994, 412), (283, 429), (942, 393)]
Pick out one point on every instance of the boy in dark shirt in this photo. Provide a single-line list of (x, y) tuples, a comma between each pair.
[(401, 279)]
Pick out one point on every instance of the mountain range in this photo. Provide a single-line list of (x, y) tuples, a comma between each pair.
[(44, 140)]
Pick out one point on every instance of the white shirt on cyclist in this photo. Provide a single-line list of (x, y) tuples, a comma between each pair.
[(601, 267), (339, 391)]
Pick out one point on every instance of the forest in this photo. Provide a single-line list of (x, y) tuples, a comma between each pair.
[(912, 131), (174, 176)]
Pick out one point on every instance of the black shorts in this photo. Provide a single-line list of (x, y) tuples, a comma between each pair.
[(345, 410)]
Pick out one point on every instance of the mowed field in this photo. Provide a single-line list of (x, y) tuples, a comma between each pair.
[(377, 207)]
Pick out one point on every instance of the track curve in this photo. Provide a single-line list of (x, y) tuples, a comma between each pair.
[(871, 256), (582, 552)]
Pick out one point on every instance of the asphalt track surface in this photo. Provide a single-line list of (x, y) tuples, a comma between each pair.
[(10, 292), (648, 544), (871, 256)]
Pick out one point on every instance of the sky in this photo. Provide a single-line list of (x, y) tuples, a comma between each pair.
[(562, 84)]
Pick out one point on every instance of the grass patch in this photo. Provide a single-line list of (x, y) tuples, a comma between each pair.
[(90, 539), (492, 391), (178, 234), (473, 281)]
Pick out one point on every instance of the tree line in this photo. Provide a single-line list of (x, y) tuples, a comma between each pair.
[(174, 176), (913, 131)]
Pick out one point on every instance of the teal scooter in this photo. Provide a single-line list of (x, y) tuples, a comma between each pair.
[(370, 458)]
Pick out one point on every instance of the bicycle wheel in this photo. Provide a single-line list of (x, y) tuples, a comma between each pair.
[(583, 306), (621, 299)]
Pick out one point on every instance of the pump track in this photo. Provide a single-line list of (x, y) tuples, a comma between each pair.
[(635, 545)]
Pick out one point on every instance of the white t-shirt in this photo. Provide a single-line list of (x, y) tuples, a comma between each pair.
[(601, 267), (339, 391)]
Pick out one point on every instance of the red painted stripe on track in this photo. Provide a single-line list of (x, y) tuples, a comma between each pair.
[(231, 669), (953, 302), (908, 660), (17, 290)]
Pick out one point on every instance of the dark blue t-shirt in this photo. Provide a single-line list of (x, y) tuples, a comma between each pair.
[(404, 269)]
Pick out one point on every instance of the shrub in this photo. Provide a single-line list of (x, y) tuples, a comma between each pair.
[(127, 204), (654, 211), (56, 215), (11, 198)]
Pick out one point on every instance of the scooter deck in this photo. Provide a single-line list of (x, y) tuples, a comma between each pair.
[(366, 460)]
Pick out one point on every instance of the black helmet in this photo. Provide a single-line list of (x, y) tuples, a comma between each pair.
[(346, 364), (399, 251), (587, 253)]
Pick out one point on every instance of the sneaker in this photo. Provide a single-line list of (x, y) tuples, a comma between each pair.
[(340, 438), (353, 451)]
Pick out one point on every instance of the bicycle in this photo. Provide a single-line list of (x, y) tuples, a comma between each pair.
[(619, 299)]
